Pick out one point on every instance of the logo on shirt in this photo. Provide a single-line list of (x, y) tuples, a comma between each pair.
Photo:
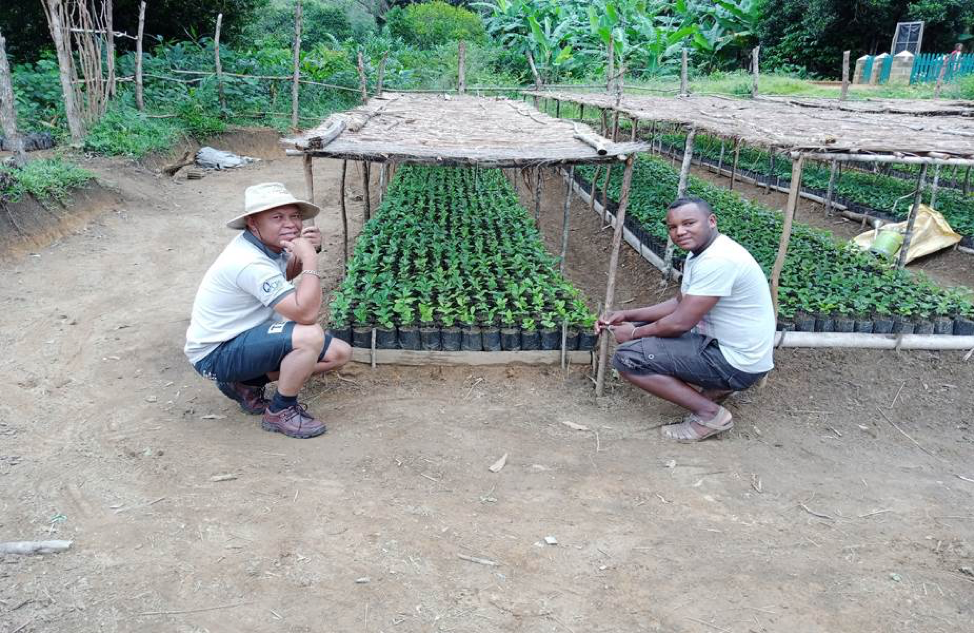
[(271, 285)]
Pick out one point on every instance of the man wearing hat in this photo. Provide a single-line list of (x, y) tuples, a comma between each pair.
[(255, 317)]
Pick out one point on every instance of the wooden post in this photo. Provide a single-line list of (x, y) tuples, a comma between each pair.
[(297, 65), (8, 109), (684, 76), (635, 128), (593, 187), (967, 181), (361, 78), (605, 186), (720, 160), (341, 203), (737, 156), (537, 77), (219, 67), (681, 190), (557, 108), (917, 201), (940, 77), (610, 67), (462, 67), (367, 196), (139, 101), (309, 182), (845, 76), (109, 47), (382, 74), (767, 184), (564, 227), (537, 196), (754, 69), (58, 21), (830, 193), (610, 288), (933, 188), (383, 176), (793, 194)]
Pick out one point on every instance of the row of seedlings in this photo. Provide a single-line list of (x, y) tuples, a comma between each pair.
[(876, 194), (825, 286), (451, 261)]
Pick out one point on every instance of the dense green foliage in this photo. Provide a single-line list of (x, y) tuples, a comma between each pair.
[(322, 23), (820, 276), (45, 178), (453, 247), (431, 24)]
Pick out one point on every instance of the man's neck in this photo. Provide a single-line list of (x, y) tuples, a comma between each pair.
[(706, 245)]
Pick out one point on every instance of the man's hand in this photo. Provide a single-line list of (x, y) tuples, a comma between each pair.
[(313, 235), (623, 333), (303, 250), (613, 318)]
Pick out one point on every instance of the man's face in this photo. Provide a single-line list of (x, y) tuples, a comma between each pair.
[(276, 225), (690, 228)]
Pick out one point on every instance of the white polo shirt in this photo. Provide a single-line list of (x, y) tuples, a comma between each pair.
[(742, 321), (238, 293)]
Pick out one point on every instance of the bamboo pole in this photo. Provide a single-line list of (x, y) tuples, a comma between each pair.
[(610, 288), (58, 22), (917, 201), (109, 46), (382, 74), (366, 196), (830, 193), (934, 187), (681, 190), (793, 195), (565, 218), (219, 67), (8, 110), (462, 67), (755, 54), (845, 76), (295, 82), (538, 182), (341, 203), (684, 75), (139, 100), (363, 84)]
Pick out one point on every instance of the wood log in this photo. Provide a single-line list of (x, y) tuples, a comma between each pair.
[(684, 75), (595, 142), (109, 47), (188, 159), (58, 21), (27, 548), (363, 83)]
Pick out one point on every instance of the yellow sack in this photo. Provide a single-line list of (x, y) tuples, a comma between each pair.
[(931, 233)]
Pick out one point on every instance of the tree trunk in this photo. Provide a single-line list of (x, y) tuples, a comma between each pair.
[(216, 61), (139, 100), (109, 47), (8, 110), (57, 21)]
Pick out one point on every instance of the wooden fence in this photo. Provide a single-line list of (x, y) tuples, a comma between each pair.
[(927, 66)]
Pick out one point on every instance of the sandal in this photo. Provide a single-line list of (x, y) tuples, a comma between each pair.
[(686, 432)]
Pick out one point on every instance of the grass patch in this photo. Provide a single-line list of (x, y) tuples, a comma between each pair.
[(45, 178), (127, 132)]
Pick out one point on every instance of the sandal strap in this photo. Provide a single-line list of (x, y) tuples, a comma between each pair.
[(722, 414)]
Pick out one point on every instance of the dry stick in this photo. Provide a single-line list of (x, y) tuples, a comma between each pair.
[(363, 84), (462, 67), (564, 228), (704, 622), (933, 187), (684, 82), (341, 202), (755, 54), (8, 113), (737, 156), (779, 262), (830, 192), (204, 609), (967, 181), (382, 74), (28, 548), (366, 176), (720, 160), (681, 191), (611, 62), (635, 129), (593, 187), (814, 513), (917, 200), (537, 77), (610, 288), (479, 561), (537, 196), (564, 349), (217, 64), (940, 77), (139, 102), (109, 46), (905, 434), (845, 76), (296, 73)]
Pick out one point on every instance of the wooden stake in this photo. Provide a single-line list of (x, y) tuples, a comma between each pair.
[(8, 111), (219, 67), (367, 198), (830, 193), (363, 84), (610, 288), (967, 181), (139, 102), (109, 47), (767, 183), (58, 22), (593, 187), (382, 74), (564, 226), (537, 196), (341, 202), (537, 77), (295, 82), (610, 67), (940, 77), (933, 188), (684, 76), (383, 175), (754, 69), (681, 190), (737, 156), (635, 128), (917, 201), (309, 182), (462, 67), (720, 161), (793, 194), (845, 76)]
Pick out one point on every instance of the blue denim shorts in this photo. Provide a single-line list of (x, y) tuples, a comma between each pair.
[(691, 357), (252, 354)]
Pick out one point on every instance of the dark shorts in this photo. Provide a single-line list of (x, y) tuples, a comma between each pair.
[(692, 358), (252, 354)]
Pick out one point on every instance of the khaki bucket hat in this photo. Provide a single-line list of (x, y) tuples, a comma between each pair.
[(269, 195)]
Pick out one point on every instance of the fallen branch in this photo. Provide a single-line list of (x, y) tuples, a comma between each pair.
[(814, 513), (905, 434), (224, 606), (479, 561), (185, 161), (28, 548)]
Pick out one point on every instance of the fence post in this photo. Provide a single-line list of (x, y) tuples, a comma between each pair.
[(755, 54), (611, 64), (684, 79), (917, 201), (940, 77), (462, 67), (139, 102), (845, 75), (8, 109), (109, 46), (382, 74), (219, 67), (361, 77), (297, 67), (58, 20)]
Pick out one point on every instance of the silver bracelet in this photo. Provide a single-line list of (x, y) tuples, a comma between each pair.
[(311, 272)]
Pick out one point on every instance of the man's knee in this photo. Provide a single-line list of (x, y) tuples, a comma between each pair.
[(308, 337), (339, 352)]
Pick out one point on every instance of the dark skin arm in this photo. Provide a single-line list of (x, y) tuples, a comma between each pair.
[(686, 314), (313, 235)]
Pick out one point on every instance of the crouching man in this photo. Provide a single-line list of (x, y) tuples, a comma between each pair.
[(255, 317), (716, 334)]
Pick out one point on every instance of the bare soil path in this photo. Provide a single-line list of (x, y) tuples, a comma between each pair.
[(815, 514)]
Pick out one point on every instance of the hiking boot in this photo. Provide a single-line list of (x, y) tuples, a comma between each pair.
[(250, 399), (294, 421)]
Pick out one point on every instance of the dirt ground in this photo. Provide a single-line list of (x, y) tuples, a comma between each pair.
[(842, 501)]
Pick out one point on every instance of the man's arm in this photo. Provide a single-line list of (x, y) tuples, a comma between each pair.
[(303, 305), (649, 314), (313, 235), (687, 314)]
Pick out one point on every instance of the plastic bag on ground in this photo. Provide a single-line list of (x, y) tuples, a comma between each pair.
[(931, 233), (209, 158)]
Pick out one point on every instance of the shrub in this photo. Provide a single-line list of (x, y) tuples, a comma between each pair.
[(124, 131), (433, 23), (43, 178)]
